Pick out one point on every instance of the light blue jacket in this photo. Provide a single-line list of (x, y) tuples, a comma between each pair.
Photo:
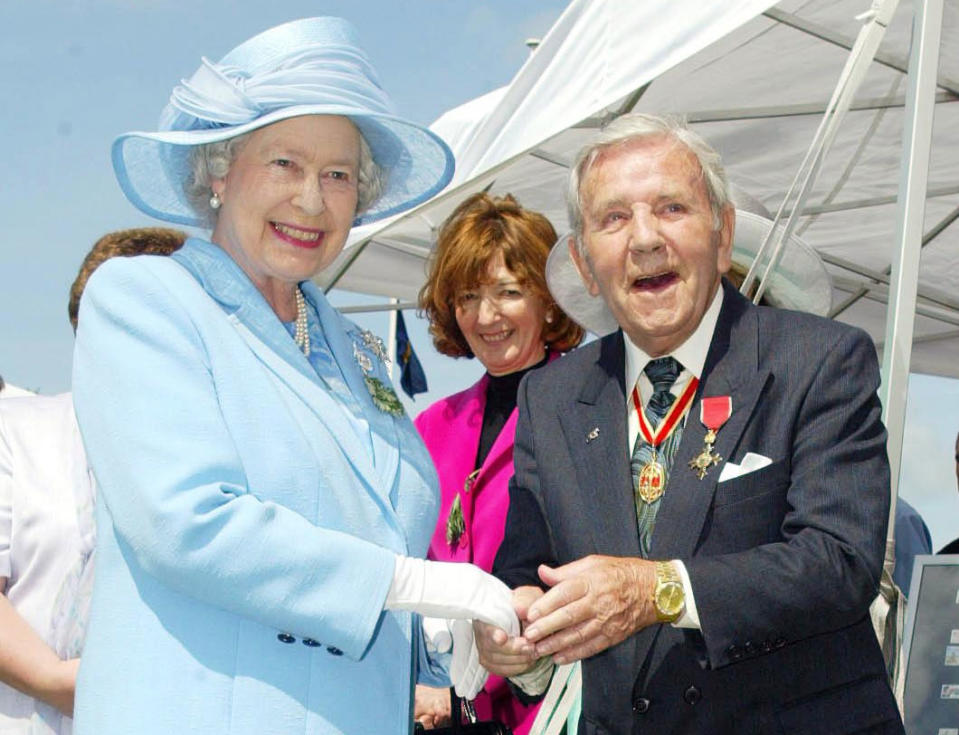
[(241, 506)]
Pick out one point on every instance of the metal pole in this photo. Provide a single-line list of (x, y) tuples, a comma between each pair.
[(393, 305), (391, 342), (913, 180)]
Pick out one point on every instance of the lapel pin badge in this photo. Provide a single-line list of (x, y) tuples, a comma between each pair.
[(592, 434)]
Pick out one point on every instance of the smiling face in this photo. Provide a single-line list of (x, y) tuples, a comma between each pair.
[(651, 250), (502, 321), (289, 200)]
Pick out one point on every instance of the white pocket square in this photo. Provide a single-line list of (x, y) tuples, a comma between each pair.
[(751, 463)]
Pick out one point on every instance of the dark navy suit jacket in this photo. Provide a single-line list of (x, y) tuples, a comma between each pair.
[(783, 562)]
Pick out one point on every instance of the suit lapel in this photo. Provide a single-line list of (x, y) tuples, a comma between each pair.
[(502, 450), (322, 404), (595, 431), (246, 309), (344, 339), (731, 369), (229, 286)]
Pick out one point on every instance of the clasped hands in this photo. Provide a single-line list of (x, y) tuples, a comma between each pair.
[(592, 604)]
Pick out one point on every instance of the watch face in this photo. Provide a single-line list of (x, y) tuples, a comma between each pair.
[(670, 599)]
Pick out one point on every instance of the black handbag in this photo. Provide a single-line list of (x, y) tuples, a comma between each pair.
[(464, 721)]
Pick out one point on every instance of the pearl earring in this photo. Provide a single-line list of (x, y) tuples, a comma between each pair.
[(215, 201), (549, 317)]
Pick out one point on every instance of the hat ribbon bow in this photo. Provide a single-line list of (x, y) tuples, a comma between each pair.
[(225, 95)]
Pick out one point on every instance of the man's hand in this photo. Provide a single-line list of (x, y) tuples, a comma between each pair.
[(595, 602), (500, 653)]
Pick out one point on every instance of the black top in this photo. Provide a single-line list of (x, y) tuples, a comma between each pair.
[(950, 548), (500, 402)]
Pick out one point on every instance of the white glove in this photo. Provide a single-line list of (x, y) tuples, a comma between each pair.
[(437, 634), (466, 673), (451, 590)]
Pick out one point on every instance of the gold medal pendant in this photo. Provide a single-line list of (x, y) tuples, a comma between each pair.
[(652, 480), (651, 483)]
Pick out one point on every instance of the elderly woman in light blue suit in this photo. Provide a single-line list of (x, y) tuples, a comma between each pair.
[(265, 503)]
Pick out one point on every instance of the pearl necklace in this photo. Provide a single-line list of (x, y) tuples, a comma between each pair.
[(301, 334)]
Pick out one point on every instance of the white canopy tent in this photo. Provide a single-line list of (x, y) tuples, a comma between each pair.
[(754, 78)]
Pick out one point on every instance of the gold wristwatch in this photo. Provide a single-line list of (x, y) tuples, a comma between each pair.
[(669, 598)]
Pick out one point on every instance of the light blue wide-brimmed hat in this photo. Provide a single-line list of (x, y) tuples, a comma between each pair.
[(312, 66)]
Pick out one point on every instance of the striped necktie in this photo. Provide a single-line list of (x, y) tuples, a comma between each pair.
[(662, 373)]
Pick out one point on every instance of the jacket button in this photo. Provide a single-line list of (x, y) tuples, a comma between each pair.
[(734, 652), (285, 638), (692, 695), (779, 642), (640, 705), (767, 646), (749, 649), (310, 642), (334, 651)]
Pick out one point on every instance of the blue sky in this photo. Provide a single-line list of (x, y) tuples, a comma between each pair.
[(79, 72)]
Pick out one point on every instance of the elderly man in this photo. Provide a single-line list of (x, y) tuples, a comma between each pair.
[(703, 493)]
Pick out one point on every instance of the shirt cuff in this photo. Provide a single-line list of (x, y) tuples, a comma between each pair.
[(535, 681), (690, 616)]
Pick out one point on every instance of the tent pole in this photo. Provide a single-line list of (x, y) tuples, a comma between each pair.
[(926, 239), (913, 180), (901, 308), (391, 340)]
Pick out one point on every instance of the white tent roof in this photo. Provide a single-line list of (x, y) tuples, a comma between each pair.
[(753, 78)]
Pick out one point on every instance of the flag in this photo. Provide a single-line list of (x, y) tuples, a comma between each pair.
[(412, 377)]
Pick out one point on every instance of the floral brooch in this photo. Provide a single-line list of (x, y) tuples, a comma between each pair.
[(383, 395)]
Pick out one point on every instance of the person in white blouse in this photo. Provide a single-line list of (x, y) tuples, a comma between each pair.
[(47, 532)]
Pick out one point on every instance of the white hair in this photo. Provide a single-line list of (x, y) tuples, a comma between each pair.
[(634, 127)]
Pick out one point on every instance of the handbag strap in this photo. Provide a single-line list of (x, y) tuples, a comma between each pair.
[(460, 709), (563, 692)]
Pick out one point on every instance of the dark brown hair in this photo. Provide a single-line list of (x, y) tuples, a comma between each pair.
[(478, 230), (136, 241)]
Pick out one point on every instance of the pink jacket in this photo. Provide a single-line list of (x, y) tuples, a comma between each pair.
[(451, 431)]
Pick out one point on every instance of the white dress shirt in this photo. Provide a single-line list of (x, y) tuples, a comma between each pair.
[(691, 354)]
